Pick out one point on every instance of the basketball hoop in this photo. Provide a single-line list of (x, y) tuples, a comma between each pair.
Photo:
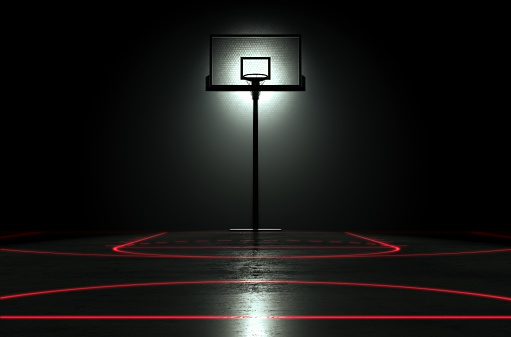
[(255, 78), (257, 54)]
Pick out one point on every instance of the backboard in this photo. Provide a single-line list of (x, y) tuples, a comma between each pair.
[(235, 58)]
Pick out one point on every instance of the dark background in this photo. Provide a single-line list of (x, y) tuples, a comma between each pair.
[(401, 126)]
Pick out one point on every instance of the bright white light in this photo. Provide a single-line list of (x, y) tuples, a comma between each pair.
[(255, 327), (275, 108), (256, 303), (246, 96)]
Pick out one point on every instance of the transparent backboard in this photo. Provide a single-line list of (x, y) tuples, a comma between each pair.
[(276, 56)]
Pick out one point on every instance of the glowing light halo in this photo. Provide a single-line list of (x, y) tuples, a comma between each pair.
[(275, 108), (299, 282), (264, 98)]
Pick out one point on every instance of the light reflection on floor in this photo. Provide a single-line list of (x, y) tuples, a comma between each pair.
[(213, 287)]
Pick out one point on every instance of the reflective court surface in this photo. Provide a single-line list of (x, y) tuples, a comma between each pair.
[(257, 284)]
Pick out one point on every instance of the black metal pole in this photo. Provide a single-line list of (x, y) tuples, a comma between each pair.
[(255, 163)]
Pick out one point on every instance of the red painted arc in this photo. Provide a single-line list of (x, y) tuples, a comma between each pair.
[(300, 282), (373, 255), (121, 249), (255, 247), (17, 235), (43, 252), (128, 254), (495, 235), (301, 317)]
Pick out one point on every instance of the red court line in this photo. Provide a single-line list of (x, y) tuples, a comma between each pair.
[(434, 254), (302, 317), (17, 235), (395, 248), (451, 253), (128, 254), (257, 247), (119, 249), (124, 254), (299, 282), (495, 235), (43, 252)]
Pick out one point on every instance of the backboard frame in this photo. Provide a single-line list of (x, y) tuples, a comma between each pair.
[(268, 87)]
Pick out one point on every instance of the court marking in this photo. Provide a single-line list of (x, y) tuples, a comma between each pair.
[(495, 235), (213, 317), (253, 247), (141, 255), (18, 235), (122, 249), (299, 282)]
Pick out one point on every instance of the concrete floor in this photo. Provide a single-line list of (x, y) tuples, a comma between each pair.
[(267, 284)]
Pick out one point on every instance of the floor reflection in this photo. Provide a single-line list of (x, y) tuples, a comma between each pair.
[(255, 327), (256, 302)]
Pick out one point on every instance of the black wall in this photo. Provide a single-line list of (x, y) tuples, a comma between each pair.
[(111, 128)]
